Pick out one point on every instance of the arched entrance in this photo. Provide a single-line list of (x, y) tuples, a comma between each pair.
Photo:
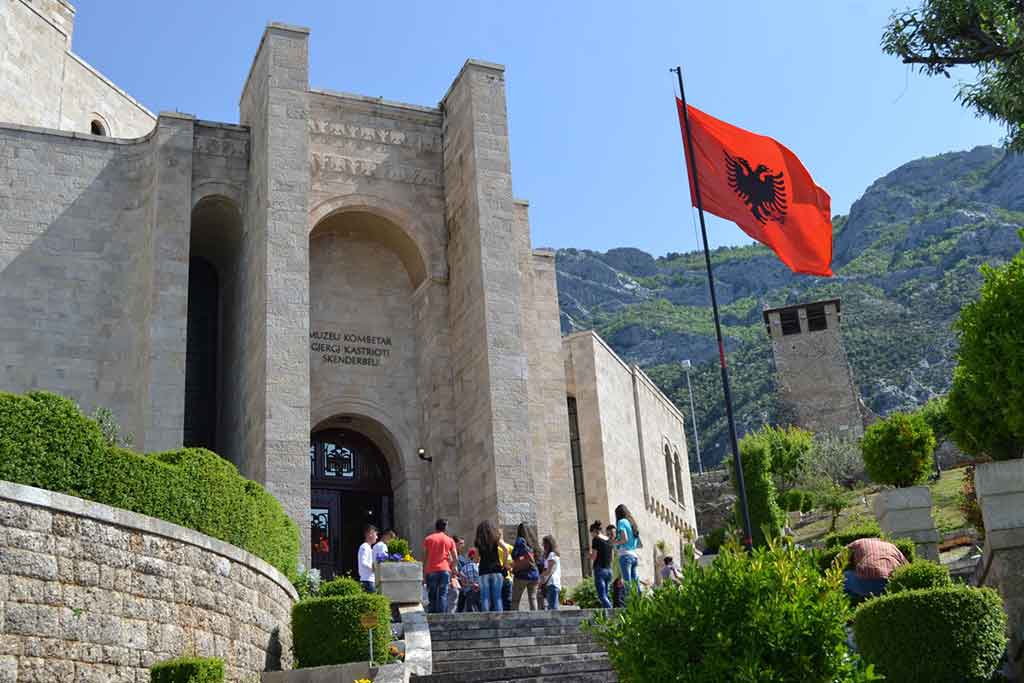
[(350, 487)]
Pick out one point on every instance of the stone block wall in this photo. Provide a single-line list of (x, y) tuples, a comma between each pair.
[(94, 594)]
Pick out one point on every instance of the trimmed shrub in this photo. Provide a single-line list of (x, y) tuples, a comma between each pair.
[(584, 595), (338, 586), (46, 441), (809, 502), (327, 630), (852, 533), (792, 500), (766, 616), (188, 670), (937, 635), (920, 574), (399, 546), (898, 450), (766, 517)]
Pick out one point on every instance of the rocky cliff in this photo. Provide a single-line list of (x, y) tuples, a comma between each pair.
[(906, 259)]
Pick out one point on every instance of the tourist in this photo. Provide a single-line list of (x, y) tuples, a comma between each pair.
[(505, 557), (439, 561), (381, 546), (872, 561), (618, 592), (601, 557), (364, 559), (552, 577), (524, 568), (669, 572), (455, 604), (492, 574), (627, 541), (469, 576)]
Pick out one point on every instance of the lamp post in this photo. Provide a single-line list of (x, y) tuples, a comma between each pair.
[(696, 439)]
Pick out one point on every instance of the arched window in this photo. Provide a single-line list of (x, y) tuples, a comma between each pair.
[(669, 474), (97, 127), (679, 479)]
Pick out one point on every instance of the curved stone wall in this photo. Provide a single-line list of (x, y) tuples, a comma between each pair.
[(91, 593)]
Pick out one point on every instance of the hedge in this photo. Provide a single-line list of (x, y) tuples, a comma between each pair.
[(327, 630), (188, 670), (46, 441), (340, 585), (852, 533), (920, 574), (936, 635)]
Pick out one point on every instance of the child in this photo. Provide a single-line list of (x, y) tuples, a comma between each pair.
[(669, 572), (365, 559), (552, 577), (618, 593), (469, 578)]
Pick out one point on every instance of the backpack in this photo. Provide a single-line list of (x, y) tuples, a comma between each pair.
[(524, 563)]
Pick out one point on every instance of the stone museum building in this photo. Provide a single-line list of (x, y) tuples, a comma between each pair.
[(338, 294)]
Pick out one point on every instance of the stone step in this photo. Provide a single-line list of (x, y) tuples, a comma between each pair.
[(469, 644), (585, 670), (520, 660), (494, 634)]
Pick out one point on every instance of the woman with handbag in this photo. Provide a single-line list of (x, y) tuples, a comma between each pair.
[(524, 568)]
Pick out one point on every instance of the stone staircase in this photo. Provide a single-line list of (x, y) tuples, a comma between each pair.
[(515, 646)]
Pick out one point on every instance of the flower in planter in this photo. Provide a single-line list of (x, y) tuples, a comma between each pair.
[(391, 557), (408, 558)]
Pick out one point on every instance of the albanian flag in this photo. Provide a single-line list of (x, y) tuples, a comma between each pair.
[(761, 186)]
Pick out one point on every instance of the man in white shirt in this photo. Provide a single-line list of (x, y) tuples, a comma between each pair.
[(365, 559)]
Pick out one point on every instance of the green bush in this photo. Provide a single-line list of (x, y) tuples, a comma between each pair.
[(808, 502), (789, 449), (714, 540), (869, 529), (338, 586), (584, 595), (792, 500), (936, 635), (327, 630), (188, 670), (399, 546), (767, 616), (46, 441), (766, 517), (898, 450), (920, 574)]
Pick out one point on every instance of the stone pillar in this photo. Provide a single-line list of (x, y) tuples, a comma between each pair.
[(167, 321), (276, 270), (907, 513), (1000, 487), (489, 364)]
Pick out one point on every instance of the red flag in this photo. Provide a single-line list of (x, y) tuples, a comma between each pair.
[(761, 186)]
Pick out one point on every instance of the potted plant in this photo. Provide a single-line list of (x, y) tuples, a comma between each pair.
[(898, 451), (399, 575)]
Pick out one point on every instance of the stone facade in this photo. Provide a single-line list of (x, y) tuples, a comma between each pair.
[(630, 438), (367, 267), (815, 382), (91, 593)]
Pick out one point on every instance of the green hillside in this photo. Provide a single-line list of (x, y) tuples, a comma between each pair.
[(905, 260)]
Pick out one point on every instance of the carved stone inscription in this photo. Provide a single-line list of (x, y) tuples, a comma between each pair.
[(345, 348), (421, 142), (334, 163), (368, 151)]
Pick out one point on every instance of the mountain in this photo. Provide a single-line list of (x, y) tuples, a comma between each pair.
[(906, 259)]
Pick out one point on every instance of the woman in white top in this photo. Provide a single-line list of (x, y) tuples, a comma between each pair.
[(552, 576)]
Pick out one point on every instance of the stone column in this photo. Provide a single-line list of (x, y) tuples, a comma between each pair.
[(167, 322), (489, 363), (1000, 488), (907, 513), (276, 263)]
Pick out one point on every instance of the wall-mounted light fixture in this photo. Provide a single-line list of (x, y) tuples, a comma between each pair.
[(422, 452)]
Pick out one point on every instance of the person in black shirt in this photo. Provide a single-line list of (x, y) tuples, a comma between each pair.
[(601, 557), (492, 572)]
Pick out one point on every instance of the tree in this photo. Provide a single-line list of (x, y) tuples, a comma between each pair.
[(898, 450), (766, 517), (935, 413), (789, 448), (834, 499), (986, 403), (835, 460), (985, 34)]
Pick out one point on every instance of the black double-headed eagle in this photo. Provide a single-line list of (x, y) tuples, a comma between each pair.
[(760, 189)]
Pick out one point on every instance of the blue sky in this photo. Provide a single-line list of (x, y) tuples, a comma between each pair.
[(595, 140)]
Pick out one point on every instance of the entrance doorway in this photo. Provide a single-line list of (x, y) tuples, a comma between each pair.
[(350, 487)]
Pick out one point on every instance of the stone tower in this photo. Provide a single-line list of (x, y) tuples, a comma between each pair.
[(815, 383)]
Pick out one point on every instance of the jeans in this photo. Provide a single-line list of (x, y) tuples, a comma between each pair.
[(602, 579), (368, 586), (552, 597), (437, 591), (529, 587), (490, 592), (860, 587), (627, 565), (506, 595)]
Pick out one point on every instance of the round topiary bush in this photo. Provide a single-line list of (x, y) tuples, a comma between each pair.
[(920, 574), (584, 595), (328, 630), (338, 586), (898, 450), (935, 635), (764, 616)]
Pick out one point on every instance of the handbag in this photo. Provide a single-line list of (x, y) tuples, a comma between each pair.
[(523, 563)]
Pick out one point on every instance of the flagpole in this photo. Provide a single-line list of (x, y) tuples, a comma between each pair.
[(737, 462)]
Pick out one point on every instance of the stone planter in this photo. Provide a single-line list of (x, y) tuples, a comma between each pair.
[(907, 513), (1000, 487), (402, 582)]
